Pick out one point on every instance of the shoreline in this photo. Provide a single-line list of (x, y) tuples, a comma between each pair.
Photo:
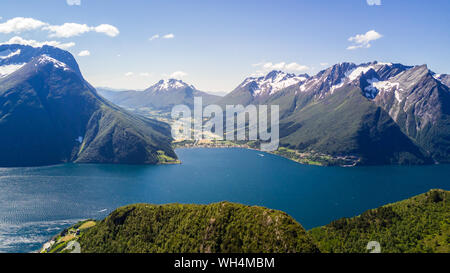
[(312, 159)]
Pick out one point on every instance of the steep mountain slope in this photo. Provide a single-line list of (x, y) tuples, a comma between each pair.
[(417, 224), (334, 114), (443, 78), (216, 228), (346, 123), (50, 115), (162, 96), (382, 113), (420, 105)]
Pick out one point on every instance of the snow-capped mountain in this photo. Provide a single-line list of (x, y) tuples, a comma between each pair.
[(272, 83), (161, 96), (13, 57), (169, 85), (257, 89), (380, 112), (49, 114), (335, 77)]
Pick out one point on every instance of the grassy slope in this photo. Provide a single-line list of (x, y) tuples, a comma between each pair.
[(417, 224), (222, 228)]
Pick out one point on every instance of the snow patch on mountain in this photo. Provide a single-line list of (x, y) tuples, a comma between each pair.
[(273, 82), (337, 86), (45, 59), (376, 86), (170, 84), (5, 70), (17, 52), (386, 85), (357, 72)]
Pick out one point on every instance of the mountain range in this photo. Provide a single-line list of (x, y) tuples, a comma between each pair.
[(382, 113), (379, 113), (161, 96), (49, 114)]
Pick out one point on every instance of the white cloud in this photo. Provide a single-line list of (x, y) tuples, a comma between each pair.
[(267, 66), (33, 43), (374, 2), (154, 37), (324, 64), (66, 30), (129, 74), (157, 36), (178, 74), (258, 64), (109, 30), (364, 40), (258, 73), (271, 66), (19, 24), (145, 74), (169, 36), (73, 2), (84, 53), (295, 67)]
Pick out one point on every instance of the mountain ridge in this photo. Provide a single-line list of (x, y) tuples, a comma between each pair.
[(52, 115), (216, 228), (419, 224), (163, 95), (346, 109)]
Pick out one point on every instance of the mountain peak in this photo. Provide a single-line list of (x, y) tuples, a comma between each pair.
[(19, 55), (443, 78), (276, 73), (69, 121), (271, 83), (45, 59), (170, 84)]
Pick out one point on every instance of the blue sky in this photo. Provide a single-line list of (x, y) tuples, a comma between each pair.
[(216, 44)]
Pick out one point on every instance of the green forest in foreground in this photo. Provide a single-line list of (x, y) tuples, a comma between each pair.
[(419, 224), (415, 225)]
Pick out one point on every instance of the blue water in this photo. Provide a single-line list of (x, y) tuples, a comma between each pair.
[(36, 203)]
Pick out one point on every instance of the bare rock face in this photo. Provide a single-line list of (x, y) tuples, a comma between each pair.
[(420, 105)]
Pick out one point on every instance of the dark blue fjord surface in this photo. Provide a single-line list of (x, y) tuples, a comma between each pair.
[(36, 203)]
